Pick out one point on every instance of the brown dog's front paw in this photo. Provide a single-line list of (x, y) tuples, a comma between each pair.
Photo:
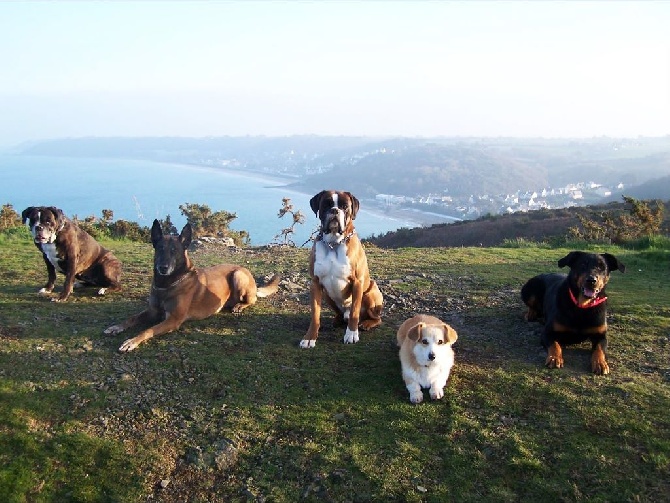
[(129, 345)]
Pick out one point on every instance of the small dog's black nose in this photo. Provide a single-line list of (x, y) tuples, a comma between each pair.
[(431, 356), (591, 280), (163, 269)]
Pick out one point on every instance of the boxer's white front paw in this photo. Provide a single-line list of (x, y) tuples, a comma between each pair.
[(307, 343), (351, 336)]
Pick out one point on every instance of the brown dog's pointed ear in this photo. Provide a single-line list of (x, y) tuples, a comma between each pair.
[(414, 333), (613, 263), (186, 236), (315, 202), (450, 334), (156, 232), (25, 214), (570, 259), (355, 205)]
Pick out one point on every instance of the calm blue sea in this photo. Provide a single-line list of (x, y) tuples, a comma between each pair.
[(140, 191)]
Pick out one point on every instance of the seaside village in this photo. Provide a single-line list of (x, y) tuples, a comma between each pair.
[(475, 206)]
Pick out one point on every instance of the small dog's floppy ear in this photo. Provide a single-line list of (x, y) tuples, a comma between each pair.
[(450, 334), (186, 236), (613, 263), (315, 202), (355, 205), (570, 259), (25, 214), (156, 232), (414, 333)]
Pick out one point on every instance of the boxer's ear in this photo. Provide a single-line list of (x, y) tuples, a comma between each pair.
[(315, 202), (355, 205)]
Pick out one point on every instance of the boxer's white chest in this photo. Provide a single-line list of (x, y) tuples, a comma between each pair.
[(333, 269)]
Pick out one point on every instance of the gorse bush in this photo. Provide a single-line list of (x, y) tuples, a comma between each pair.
[(619, 228), (9, 217)]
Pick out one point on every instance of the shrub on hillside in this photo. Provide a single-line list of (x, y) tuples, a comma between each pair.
[(9, 218), (619, 227)]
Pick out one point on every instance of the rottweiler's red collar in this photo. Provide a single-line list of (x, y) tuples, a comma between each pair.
[(589, 304)]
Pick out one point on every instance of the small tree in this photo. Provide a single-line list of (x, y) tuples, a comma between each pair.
[(167, 226), (284, 237), (107, 216), (206, 223)]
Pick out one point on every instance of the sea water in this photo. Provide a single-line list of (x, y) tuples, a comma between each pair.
[(139, 191)]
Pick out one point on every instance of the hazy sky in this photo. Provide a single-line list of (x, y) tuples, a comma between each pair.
[(408, 68)]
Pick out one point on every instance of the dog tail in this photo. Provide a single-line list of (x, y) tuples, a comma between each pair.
[(270, 287)]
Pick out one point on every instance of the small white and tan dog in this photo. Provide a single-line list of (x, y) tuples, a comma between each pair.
[(426, 355)]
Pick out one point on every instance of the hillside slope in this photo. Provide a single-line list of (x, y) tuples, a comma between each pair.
[(535, 226)]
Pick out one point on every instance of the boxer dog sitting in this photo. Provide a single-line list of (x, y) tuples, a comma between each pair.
[(180, 292), (339, 270), (71, 250)]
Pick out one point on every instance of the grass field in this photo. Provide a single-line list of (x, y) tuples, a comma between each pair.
[(231, 409)]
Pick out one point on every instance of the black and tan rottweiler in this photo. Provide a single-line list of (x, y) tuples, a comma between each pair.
[(573, 306)]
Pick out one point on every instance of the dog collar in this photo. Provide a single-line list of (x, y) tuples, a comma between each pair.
[(333, 245), (589, 304), (153, 285)]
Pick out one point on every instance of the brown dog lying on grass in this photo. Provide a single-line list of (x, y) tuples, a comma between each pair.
[(573, 306), (181, 292)]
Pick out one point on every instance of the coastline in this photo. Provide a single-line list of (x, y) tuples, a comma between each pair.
[(413, 216), (404, 217)]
